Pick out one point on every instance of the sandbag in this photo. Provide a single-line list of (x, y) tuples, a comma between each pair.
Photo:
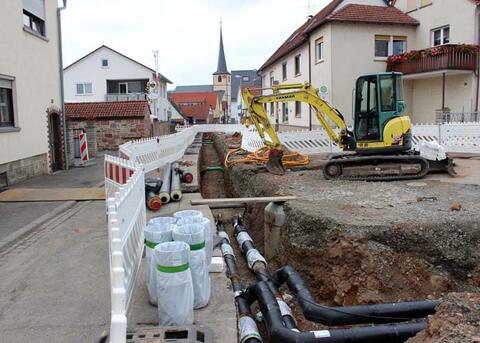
[(194, 235), (155, 233), (174, 284), (208, 233)]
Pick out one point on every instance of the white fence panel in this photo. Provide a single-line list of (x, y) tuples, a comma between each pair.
[(126, 222), (461, 137)]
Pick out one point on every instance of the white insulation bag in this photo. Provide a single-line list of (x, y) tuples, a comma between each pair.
[(163, 220), (194, 235), (174, 284), (155, 233), (187, 213), (208, 233)]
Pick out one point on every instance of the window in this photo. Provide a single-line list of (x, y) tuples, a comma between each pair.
[(297, 65), (272, 80), (367, 121), (389, 45), (319, 50), (219, 78), (298, 109), (272, 109), (84, 88), (387, 95), (245, 78), (6, 103), (104, 63), (284, 71), (123, 88), (413, 5), (34, 16), (284, 112), (441, 36)]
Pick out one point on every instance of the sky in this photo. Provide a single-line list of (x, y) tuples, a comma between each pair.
[(185, 32)]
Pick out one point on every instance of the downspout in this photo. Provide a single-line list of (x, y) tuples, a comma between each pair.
[(478, 62), (309, 80), (62, 94)]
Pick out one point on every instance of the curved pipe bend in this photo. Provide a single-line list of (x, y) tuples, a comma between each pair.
[(392, 333), (361, 314)]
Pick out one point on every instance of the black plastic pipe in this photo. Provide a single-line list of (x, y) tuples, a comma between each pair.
[(393, 333), (379, 313), (250, 334)]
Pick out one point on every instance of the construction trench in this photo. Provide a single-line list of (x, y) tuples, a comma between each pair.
[(354, 243)]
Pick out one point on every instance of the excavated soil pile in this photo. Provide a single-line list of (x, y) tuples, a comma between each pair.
[(457, 320), (359, 242)]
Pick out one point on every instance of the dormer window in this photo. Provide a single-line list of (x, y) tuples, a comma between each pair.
[(104, 63)]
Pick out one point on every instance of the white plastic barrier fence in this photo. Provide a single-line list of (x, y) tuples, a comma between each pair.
[(126, 222), (117, 173), (455, 137), (124, 187)]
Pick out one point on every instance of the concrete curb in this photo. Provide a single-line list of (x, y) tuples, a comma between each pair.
[(36, 223)]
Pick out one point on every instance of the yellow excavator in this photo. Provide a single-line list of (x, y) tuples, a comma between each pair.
[(379, 147)]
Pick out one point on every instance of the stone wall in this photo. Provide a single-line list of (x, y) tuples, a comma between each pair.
[(26, 168), (109, 134)]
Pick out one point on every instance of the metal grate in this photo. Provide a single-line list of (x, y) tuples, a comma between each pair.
[(171, 334)]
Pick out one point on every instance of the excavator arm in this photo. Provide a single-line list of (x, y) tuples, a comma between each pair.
[(299, 92)]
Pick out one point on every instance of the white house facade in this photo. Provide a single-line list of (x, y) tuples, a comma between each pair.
[(349, 38), (31, 120), (107, 75)]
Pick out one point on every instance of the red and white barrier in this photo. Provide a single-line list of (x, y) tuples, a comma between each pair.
[(83, 146)]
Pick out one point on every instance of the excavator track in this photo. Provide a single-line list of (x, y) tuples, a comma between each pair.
[(376, 168)]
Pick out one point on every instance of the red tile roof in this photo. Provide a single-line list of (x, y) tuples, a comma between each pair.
[(209, 97), (298, 37), (254, 90), (351, 12), (372, 14), (199, 112), (107, 109)]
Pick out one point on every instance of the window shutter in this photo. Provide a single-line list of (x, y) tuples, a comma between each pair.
[(5, 84), (35, 7)]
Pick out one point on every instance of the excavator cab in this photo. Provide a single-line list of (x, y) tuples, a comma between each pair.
[(380, 124)]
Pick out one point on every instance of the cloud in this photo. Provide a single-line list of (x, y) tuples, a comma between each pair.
[(186, 32)]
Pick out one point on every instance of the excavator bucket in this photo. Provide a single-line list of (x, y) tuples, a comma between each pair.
[(274, 164)]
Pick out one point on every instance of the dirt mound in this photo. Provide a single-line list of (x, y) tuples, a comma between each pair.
[(353, 270), (457, 321)]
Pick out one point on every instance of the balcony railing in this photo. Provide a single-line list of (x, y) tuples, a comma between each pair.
[(445, 57), (125, 97)]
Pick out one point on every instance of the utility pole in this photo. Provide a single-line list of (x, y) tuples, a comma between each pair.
[(157, 81)]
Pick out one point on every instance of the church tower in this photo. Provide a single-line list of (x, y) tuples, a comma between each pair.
[(222, 78)]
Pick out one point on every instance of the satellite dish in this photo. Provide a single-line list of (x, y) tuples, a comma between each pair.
[(152, 84)]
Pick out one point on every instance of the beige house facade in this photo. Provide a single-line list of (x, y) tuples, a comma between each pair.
[(31, 120), (349, 38), (447, 90)]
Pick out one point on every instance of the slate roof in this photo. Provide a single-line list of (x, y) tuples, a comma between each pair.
[(222, 63), (348, 13), (237, 79), (193, 89), (118, 53), (107, 109)]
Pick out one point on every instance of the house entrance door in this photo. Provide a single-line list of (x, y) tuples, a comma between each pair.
[(55, 131)]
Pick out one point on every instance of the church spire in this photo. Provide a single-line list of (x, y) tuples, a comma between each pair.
[(222, 63)]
